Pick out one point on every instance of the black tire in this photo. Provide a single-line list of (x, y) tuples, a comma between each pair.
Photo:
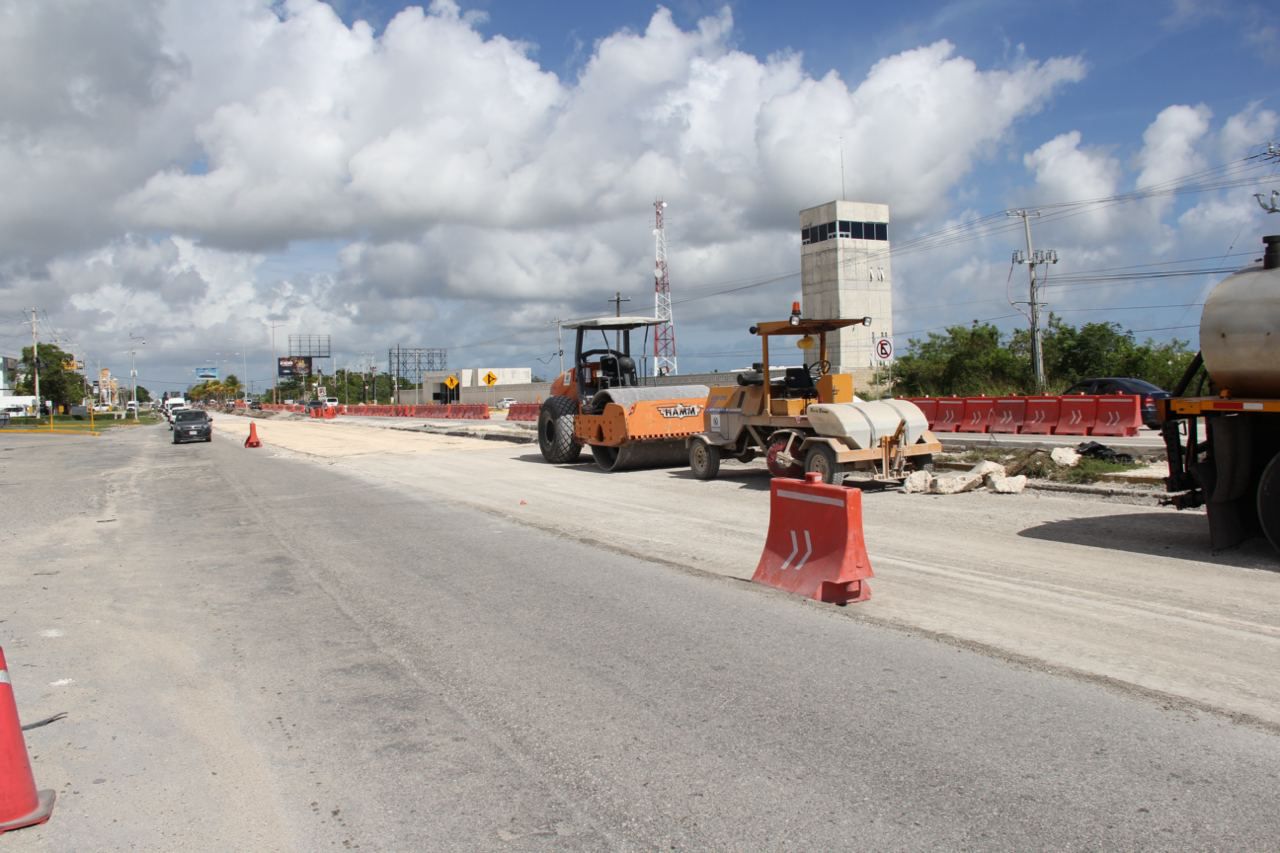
[(1269, 501), (555, 431), (704, 459), (821, 459)]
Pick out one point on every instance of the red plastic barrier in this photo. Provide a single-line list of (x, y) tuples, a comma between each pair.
[(977, 414), (950, 415), (815, 545), (330, 412), (523, 412), (1008, 414), (1077, 414), (1042, 415), (20, 803), (927, 405), (1118, 414)]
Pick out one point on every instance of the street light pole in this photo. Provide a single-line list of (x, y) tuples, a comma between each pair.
[(133, 370)]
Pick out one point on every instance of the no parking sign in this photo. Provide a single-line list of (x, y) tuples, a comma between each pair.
[(884, 349)]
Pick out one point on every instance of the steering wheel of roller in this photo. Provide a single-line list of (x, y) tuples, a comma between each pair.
[(591, 352), (819, 368)]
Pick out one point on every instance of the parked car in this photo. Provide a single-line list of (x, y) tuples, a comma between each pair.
[(314, 404), (192, 425), (506, 402), (1121, 385), (331, 402), (255, 406)]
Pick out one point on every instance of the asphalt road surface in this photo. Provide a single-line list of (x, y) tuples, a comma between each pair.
[(271, 652)]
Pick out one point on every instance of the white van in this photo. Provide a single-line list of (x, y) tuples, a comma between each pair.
[(331, 402)]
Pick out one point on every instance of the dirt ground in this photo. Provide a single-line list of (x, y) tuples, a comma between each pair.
[(1126, 594)]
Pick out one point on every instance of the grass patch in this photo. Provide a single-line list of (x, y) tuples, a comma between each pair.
[(1090, 470)]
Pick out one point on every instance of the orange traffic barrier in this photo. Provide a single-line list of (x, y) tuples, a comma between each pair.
[(20, 803), (815, 545), (1077, 414), (1007, 414), (330, 412), (977, 414), (1042, 415), (523, 412), (1118, 414), (927, 405), (252, 440), (950, 415)]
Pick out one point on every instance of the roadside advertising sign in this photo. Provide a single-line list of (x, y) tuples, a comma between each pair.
[(289, 366)]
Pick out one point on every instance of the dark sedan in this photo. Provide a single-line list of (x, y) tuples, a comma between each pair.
[(192, 425), (1120, 385)]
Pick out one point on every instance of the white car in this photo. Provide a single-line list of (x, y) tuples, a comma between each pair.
[(506, 402)]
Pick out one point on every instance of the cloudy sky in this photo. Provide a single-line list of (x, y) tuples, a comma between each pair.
[(461, 174)]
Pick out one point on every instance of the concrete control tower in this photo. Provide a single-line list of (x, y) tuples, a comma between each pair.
[(845, 272)]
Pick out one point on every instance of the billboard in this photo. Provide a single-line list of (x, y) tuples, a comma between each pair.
[(290, 366), (206, 373)]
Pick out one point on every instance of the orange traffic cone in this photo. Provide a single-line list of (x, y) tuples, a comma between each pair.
[(20, 803), (252, 440)]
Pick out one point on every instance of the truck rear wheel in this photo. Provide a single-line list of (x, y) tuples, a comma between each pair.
[(704, 459), (555, 431), (821, 460), (1269, 501)]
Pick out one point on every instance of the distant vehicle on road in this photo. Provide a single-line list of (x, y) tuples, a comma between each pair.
[(192, 425), (507, 402), (255, 406), (315, 404), (331, 402), (1122, 385)]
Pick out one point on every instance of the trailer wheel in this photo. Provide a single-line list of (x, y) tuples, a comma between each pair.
[(555, 431), (704, 459), (1269, 501), (821, 460)]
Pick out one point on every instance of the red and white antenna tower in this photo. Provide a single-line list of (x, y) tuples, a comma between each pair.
[(664, 335)]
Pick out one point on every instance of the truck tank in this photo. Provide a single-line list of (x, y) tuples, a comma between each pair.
[(1240, 329)]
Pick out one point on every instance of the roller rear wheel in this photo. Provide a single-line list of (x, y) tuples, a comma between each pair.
[(555, 431), (1269, 501)]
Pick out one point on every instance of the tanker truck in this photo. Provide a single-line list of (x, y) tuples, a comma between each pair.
[(1231, 392)]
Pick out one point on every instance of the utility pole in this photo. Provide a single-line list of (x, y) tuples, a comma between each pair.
[(559, 345), (35, 359), (133, 369), (617, 301), (275, 361), (1032, 259)]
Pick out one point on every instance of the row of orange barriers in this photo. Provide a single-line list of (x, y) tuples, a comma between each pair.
[(1078, 414), (453, 411)]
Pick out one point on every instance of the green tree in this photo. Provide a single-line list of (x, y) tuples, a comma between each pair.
[(144, 396), (977, 360), (59, 381), (963, 360)]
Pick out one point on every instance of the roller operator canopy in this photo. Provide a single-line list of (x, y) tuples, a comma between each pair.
[(612, 323)]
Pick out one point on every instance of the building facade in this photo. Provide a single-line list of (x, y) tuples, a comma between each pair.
[(845, 272)]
